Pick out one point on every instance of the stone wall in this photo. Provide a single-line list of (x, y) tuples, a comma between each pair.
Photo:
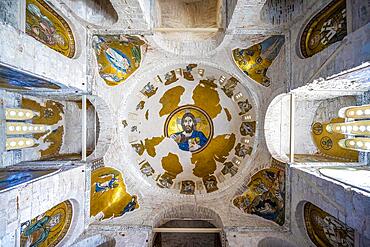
[(352, 51), (347, 204), (24, 52), (28, 200)]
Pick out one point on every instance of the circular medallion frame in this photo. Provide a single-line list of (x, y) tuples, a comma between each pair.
[(173, 131)]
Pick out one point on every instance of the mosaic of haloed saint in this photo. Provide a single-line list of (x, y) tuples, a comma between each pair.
[(264, 194), (118, 56), (325, 230), (109, 197), (49, 228), (192, 128), (48, 27)]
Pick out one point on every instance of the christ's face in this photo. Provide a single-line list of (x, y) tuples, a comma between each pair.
[(188, 125)]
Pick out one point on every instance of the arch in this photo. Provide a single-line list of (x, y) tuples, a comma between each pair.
[(187, 211), (319, 33), (45, 25), (277, 114), (93, 12), (105, 127), (274, 242)]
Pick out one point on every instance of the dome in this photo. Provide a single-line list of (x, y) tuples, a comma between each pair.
[(190, 129)]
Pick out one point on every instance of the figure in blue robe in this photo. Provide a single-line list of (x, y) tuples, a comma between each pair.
[(189, 139)]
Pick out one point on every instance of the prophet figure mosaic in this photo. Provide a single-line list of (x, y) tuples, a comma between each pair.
[(325, 28), (109, 197), (190, 127), (265, 195), (48, 27), (326, 231), (49, 228), (118, 56), (256, 60)]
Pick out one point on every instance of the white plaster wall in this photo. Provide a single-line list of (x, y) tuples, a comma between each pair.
[(28, 200)]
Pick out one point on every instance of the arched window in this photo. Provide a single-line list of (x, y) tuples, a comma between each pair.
[(325, 28), (48, 27)]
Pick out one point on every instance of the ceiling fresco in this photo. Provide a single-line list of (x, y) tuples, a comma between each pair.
[(256, 60), (203, 131), (264, 194), (118, 56), (325, 28), (326, 231), (109, 197), (49, 228), (48, 27)]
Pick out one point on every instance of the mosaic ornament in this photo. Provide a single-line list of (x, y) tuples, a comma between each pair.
[(210, 183), (242, 150), (187, 187), (146, 169), (118, 56), (327, 142), (229, 168), (256, 60), (324, 29), (190, 127), (109, 197), (248, 128), (265, 195), (47, 26), (244, 107), (49, 228), (230, 86), (326, 231)]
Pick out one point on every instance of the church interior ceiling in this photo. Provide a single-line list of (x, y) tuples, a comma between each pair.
[(204, 131), (47, 26), (256, 60), (118, 56), (18, 80), (264, 194), (108, 196), (325, 28), (49, 228), (325, 230)]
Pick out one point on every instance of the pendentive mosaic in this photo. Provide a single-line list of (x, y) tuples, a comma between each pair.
[(118, 56), (264, 194), (47, 26), (109, 197), (256, 60)]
